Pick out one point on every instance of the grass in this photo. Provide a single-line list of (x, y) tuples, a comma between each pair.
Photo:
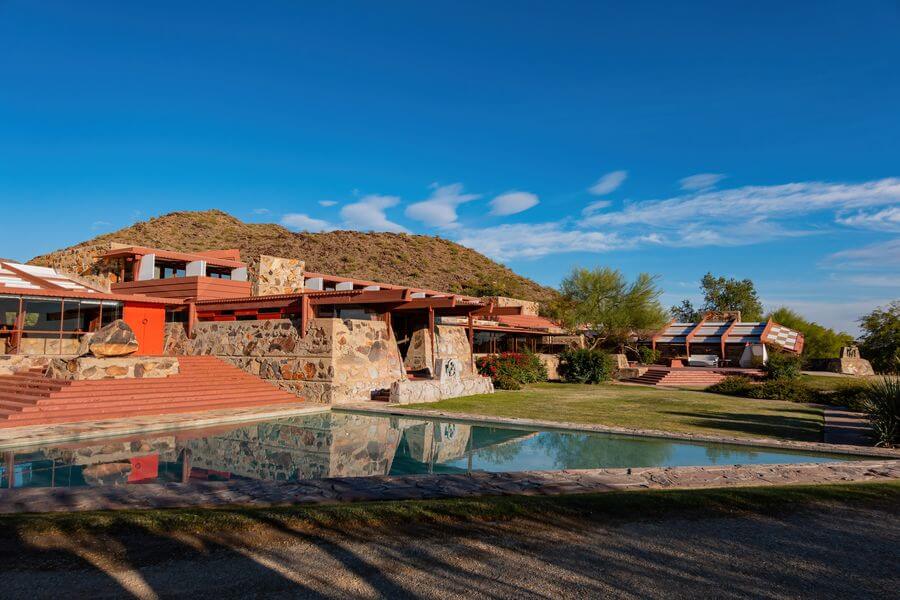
[(825, 383), (681, 411), (654, 504)]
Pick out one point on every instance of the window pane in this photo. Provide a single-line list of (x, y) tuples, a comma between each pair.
[(70, 315), (90, 316), (9, 308), (43, 315)]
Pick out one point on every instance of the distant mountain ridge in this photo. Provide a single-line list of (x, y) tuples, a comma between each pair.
[(404, 259)]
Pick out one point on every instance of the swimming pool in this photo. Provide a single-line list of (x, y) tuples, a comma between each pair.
[(343, 444)]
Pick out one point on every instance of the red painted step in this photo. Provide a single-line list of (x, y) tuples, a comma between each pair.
[(203, 383)]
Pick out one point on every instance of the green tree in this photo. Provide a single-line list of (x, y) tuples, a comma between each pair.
[(605, 302), (721, 294), (685, 312), (880, 342), (818, 341)]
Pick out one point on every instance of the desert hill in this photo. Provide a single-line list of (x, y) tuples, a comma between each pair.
[(414, 260)]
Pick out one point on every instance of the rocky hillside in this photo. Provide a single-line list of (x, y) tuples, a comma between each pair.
[(415, 260)]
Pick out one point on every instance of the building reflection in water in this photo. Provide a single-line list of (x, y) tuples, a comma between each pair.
[(307, 447)]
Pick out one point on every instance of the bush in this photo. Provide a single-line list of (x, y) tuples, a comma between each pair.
[(792, 390), (586, 366), (881, 402), (505, 382), (512, 368), (782, 365), (735, 385), (649, 356)]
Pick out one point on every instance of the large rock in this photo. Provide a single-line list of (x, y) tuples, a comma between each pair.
[(115, 339)]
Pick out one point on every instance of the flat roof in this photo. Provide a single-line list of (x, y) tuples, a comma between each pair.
[(212, 257), (31, 277)]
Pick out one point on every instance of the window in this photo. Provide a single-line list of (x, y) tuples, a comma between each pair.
[(218, 272), (168, 270)]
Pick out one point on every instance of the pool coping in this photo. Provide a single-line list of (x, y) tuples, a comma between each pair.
[(870, 451), (16, 438), (263, 494)]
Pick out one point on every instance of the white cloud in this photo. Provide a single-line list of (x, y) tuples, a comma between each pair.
[(872, 280), (595, 206), (368, 214), (100, 224), (883, 255), (301, 222), (261, 211), (608, 183), (512, 203), (886, 219), (506, 242), (327, 202), (701, 181), (754, 202), (439, 209)]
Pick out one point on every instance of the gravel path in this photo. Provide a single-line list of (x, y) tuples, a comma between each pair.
[(830, 552)]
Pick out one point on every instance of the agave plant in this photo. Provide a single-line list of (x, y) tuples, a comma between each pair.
[(881, 401)]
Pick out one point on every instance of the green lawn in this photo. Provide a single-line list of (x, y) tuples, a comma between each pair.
[(826, 383), (645, 408)]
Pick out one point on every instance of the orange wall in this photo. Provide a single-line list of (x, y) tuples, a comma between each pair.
[(148, 321)]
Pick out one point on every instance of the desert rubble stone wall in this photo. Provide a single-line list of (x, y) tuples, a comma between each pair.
[(277, 275), (337, 362), (528, 307), (125, 367), (451, 341)]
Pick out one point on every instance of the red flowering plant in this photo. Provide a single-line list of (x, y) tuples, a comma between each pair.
[(509, 370)]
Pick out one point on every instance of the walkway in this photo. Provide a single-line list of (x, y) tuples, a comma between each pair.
[(421, 487), (843, 426)]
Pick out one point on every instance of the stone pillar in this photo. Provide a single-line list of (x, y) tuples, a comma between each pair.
[(278, 276)]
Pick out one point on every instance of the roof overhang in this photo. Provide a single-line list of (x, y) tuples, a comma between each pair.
[(210, 258)]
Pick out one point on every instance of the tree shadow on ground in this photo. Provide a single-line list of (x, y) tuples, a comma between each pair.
[(787, 427)]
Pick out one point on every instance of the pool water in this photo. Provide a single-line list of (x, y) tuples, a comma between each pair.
[(343, 444)]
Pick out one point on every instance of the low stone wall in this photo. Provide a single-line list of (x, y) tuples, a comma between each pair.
[(10, 364), (451, 382), (451, 342), (337, 362), (129, 367)]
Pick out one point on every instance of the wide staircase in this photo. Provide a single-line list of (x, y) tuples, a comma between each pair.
[(203, 383), (679, 377)]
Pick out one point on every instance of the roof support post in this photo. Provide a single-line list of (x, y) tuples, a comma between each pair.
[(431, 335), (304, 314), (471, 333), (725, 335), (191, 319), (690, 336)]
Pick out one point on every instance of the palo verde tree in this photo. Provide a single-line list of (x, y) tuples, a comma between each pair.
[(720, 295), (605, 303), (880, 341)]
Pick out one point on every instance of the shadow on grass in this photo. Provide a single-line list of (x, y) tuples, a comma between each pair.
[(775, 426)]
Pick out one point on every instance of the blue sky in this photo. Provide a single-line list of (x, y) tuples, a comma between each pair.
[(752, 140)]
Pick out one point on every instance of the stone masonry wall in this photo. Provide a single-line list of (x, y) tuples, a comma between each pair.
[(338, 361), (451, 342), (528, 307), (126, 367), (277, 275)]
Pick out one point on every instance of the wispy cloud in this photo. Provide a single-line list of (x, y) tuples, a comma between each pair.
[(512, 203), (700, 181), (439, 209), (261, 211), (368, 214), (100, 225), (595, 206), (302, 222), (327, 203), (608, 183), (875, 257), (507, 242), (886, 219)]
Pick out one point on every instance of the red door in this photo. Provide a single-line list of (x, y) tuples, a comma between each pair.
[(148, 321)]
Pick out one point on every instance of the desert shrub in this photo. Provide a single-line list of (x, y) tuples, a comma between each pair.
[(586, 366), (851, 396), (881, 402), (512, 367), (735, 385), (782, 365), (792, 390), (648, 355), (505, 382)]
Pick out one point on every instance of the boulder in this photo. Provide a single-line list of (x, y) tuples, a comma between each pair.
[(115, 339)]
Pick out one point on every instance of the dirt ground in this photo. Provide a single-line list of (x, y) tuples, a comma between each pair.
[(835, 551)]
